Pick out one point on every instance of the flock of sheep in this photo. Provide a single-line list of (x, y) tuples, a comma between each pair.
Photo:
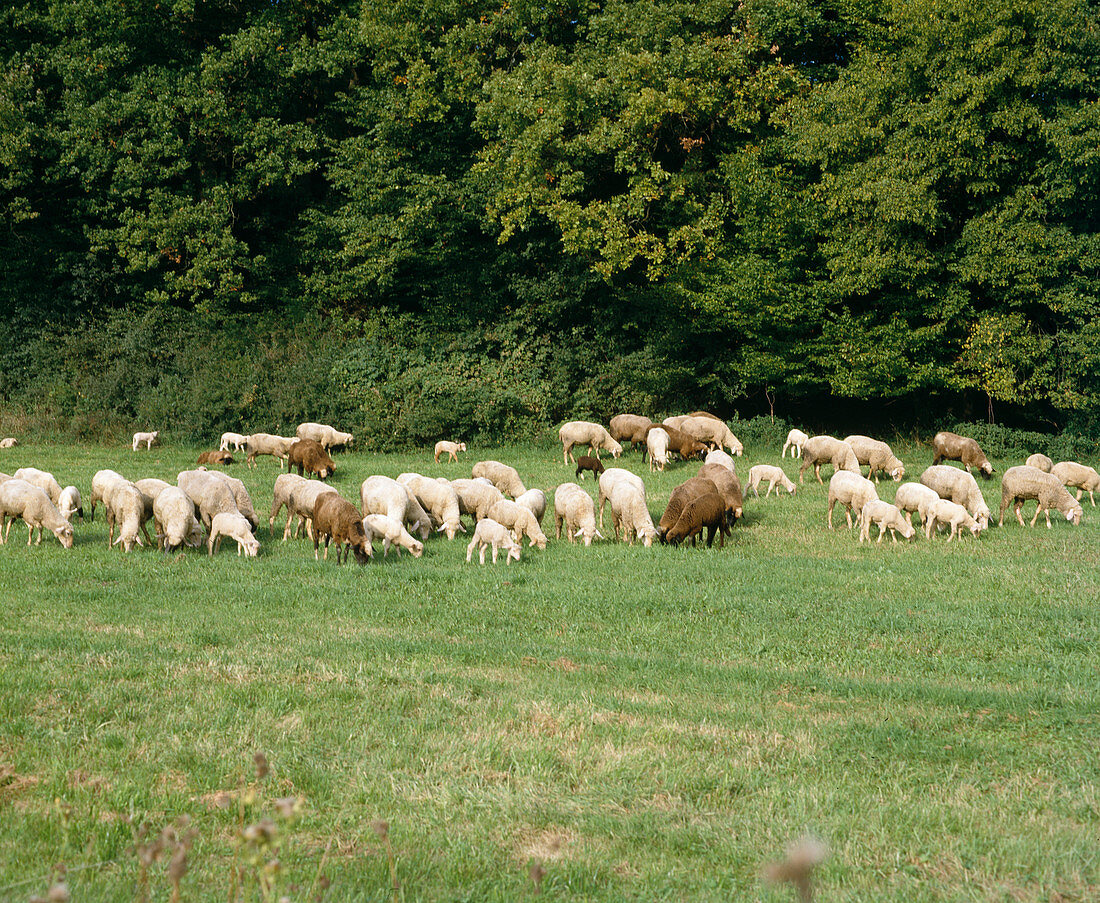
[(206, 505)]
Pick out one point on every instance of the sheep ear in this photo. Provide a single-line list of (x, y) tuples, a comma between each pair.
[(577, 535), (461, 528), (440, 528), (599, 535)]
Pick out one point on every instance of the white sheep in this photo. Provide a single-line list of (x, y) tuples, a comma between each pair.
[(611, 477), (760, 473), (69, 504), (126, 507), (384, 495), (675, 420), (211, 495), (584, 432), (235, 526), (147, 438), (476, 497), (268, 444), (1021, 483), (503, 476), (712, 431), (943, 512), (1040, 461), (914, 498), (8, 442), (280, 497), (393, 535), (490, 534), (888, 517), (1080, 476), (237, 440), (301, 503), (795, 440), (574, 508), (240, 496), (630, 514), (656, 444), (852, 491), (18, 498), (878, 456), (439, 500), (717, 456), (102, 483), (326, 435), (960, 487), (534, 500), (519, 520), (43, 480), (174, 519), (443, 447), (818, 450)]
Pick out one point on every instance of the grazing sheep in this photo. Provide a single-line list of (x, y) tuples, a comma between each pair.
[(942, 512), (728, 486), (309, 454), (174, 519), (69, 504), (679, 498), (240, 496), (476, 497), (584, 432), (706, 414), (888, 517), (234, 439), (574, 508), (384, 495), (1041, 462), (267, 444), (818, 450), (235, 526), (610, 478), (953, 447), (589, 462), (504, 477), (852, 491), (102, 483), (18, 498), (151, 487), (915, 497), (393, 535), (878, 456), (439, 500), (674, 421), (534, 500), (323, 434), (451, 449), (301, 501), (960, 487), (210, 494), (687, 447), (706, 510), (1021, 483), (519, 520), (656, 444), (630, 428), (338, 520), (216, 457), (126, 507), (147, 438), (490, 534), (712, 431), (717, 456), (1082, 477), (795, 440), (4, 477), (280, 497), (43, 480), (8, 442), (758, 473), (630, 514)]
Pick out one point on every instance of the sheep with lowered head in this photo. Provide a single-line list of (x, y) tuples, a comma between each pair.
[(717, 456), (503, 476), (960, 487), (174, 519), (18, 498), (888, 517), (573, 508), (630, 514), (818, 450), (1080, 476), (323, 434), (656, 443), (878, 456), (476, 497), (8, 442), (584, 432), (519, 520), (43, 480), (944, 512), (534, 500), (795, 440), (612, 476), (1040, 461), (953, 447), (1021, 483), (630, 428), (713, 432), (914, 498), (771, 474), (851, 490), (439, 500), (338, 520), (235, 526), (393, 535), (69, 504), (489, 534)]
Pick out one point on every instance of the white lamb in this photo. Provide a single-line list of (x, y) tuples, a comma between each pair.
[(584, 432), (235, 526), (18, 498), (758, 473), (443, 447), (69, 504), (147, 438), (795, 440), (490, 534), (888, 517), (574, 508), (519, 520), (630, 514), (8, 442), (393, 535), (944, 512), (656, 445), (235, 439), (852, 491), (174, 519)]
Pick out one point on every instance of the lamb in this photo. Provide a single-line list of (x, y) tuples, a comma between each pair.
[(337, 519), (630, 428), (706, 510), (942, 512), (852, 491), (384, 495), (818, 450), (534, 500), (234, 439), (678, 500), (440, 501), (267, 444), (915, 497), (240, 496), (888, 517), (878, 456), (308, 454), (147, 438), (717, 456), (630, 514), (174, 519), (1080, 476), (43, 480), (712, 431), (656, 443), (1040, 461), (574, 508), (69, 504), (393, 535), (301, 502), (519, 520), (18, 498), (504, 477), (8, 442), (1021, 482), (795, 440), (758, 473), (236, 526), (960, 487), (216, 457), (589, 462), (584, 432), (476, 497), (728, 486), (323, 434), (953, 447), (490, 534), (609, 478), (443, 447)]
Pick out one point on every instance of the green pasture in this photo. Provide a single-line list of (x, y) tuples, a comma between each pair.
[(609, 723)]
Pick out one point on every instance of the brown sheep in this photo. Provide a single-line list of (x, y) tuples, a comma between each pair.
[(728, 486), (630, 428), (335, 518), (953, 447), (589, 462), (687, 447), (309, 454), (705, 510), (679, 499), (216, 457)]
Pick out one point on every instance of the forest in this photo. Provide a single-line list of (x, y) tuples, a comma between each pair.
[(483, 218)]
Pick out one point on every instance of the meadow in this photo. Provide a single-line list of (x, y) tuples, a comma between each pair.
[(604, 723)]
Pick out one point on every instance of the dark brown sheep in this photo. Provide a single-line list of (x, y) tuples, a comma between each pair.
[(309, 454), (706, 510), (216, 457), (337, 519), (589, 462), (679, 499), (953, 447), (680, 442)]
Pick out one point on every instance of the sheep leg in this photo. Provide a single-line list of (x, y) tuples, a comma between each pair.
[(481, 553), (1019, 505), (567, 452), (832, 502), (929, 525)]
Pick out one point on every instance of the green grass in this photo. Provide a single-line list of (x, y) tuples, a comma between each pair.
[(649, 724)]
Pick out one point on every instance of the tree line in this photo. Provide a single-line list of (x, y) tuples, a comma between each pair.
[(419, 218)]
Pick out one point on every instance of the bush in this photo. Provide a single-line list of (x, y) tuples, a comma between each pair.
[(1002, 442)]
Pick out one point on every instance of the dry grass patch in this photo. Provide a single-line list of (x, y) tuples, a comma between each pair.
[(545, 844)]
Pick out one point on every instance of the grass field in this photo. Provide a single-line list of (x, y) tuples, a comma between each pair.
[(638, 724)]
